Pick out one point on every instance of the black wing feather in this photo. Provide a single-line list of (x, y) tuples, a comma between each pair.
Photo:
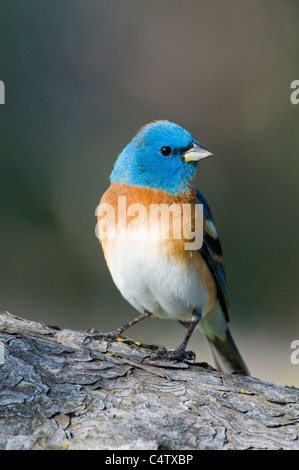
[(211, 252)]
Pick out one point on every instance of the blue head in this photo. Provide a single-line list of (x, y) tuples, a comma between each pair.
[(163, 156)]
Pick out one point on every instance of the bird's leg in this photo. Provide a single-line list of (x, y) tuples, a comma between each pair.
[(180, 352), (94, 334)]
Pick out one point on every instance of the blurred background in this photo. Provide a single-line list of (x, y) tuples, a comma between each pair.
[(81, 77)]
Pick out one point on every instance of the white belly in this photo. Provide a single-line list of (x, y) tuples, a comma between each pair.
[(151, 280)]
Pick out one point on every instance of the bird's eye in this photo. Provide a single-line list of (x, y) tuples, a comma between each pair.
[(166, 151)]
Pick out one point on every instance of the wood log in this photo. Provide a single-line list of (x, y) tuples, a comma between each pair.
[(59, 392)]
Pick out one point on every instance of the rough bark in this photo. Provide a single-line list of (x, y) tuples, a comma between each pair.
[(58, 393)]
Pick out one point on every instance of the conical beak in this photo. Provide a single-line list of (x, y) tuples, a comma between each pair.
[(196, 153)]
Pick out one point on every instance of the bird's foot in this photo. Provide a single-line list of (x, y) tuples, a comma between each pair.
[(93, 334), (179, 354)]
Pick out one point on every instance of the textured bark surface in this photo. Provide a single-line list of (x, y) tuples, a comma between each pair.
[(57, 393)]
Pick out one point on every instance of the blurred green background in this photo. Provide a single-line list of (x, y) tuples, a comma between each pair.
[(81, 78)]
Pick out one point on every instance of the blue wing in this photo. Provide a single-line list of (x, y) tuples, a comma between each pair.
[(211, 252)]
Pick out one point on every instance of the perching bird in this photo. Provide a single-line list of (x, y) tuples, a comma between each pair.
[(160, 275)]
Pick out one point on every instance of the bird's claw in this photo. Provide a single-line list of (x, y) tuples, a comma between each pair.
[(93, 334), (176, 355)]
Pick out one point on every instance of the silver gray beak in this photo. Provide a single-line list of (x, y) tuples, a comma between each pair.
[(196, 153)]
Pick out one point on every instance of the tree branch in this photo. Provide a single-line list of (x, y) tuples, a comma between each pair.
[(58, 393)]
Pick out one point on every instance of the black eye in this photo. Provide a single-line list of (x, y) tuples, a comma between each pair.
[(166, 151)]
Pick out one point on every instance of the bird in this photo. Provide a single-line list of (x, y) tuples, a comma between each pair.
[(161, 276)]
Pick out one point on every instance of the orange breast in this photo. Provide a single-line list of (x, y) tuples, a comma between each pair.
[(139, 211)]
